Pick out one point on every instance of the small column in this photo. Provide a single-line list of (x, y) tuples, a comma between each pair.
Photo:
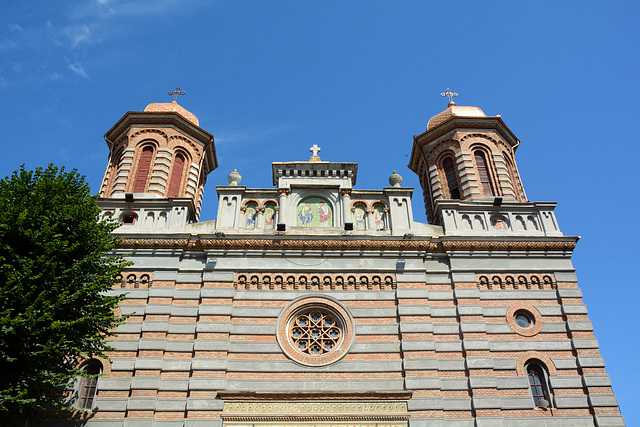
[(371, 223), (260, 219), (386, 219), (346, 204), (283, 194)]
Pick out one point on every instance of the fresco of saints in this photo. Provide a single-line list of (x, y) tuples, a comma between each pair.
[(306, 215), (378, 218), (325, 214), (251, 219), (268, 217), (360, 219)]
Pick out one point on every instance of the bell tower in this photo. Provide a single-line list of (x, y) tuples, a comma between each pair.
[(465, 161), (159, 159)]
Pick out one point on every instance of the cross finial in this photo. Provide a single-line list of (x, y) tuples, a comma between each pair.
[(314, 150), (449, 94), (177, 92)]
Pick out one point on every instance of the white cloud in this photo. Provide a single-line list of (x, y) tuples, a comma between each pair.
[(77, 34), (78, 69)]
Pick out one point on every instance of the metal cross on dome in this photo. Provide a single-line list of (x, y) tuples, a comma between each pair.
[(315, 149), (177, 92), (449, 94)]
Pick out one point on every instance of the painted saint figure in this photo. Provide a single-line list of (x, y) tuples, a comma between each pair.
[(378, 218), (306, 215), (269, 213), (251, 219), (325, 214), (360, 225)]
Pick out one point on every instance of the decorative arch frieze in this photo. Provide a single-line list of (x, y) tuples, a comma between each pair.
[(248, 202), (312, 281), (197, 149), (359, 202), (452, 145), (266, 202), (496, 141), (380, 203), (160, 137)]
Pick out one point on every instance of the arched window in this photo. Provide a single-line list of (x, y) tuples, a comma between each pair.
[(176, 175), (144, 166), (88, 384), (451, 176), (483, 172), (538, 383)]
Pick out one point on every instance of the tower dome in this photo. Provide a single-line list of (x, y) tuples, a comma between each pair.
[(454, 111), (173, 106), (468, 156)]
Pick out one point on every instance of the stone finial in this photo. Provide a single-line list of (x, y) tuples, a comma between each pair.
[(395, 179), (234, 177)]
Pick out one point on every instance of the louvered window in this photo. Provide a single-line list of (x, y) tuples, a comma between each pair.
[(450, 175), (143, 170), (176, 176), (483, 171)]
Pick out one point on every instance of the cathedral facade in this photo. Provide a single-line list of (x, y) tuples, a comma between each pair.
[(314, 303)]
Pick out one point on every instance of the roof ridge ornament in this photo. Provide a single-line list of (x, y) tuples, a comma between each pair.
[(450, 95), (177, 92), (314, 151)]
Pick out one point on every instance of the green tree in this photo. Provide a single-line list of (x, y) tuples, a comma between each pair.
[(54, 274)]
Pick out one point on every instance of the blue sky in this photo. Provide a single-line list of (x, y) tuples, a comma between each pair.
[(359, 78)]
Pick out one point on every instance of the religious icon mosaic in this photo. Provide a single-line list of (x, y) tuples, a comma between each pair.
[(251, 216), (360, 216), (269, 216), (314, 212), (378, 217)]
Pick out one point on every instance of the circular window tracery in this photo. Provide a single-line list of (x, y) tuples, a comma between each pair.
[(315, 331)]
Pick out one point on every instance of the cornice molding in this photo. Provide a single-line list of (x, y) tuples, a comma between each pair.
[(432, 246), (324, 396), (158, 119)]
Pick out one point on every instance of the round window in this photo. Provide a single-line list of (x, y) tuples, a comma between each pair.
[(315, 331), (524, 319)]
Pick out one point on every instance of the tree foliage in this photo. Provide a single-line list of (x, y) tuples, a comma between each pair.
[(54, 274)]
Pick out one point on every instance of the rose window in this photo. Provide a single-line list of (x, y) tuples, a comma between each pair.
[(315, 332)]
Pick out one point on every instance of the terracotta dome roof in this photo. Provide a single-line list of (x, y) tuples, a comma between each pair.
[(454, 111), (174, 107)]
